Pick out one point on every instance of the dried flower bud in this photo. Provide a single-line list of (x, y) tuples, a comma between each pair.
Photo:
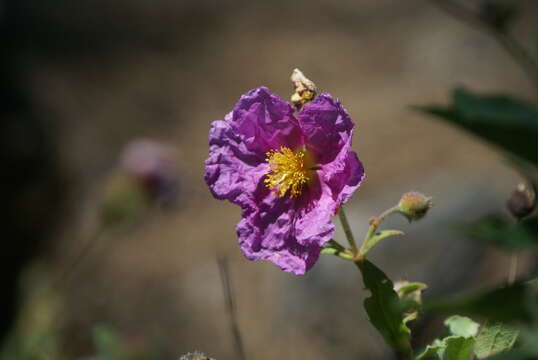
[(522, 201), (195, 356), (414, 205), (305, 89)]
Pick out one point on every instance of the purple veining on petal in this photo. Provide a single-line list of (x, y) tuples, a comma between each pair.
[(289, 256), (327, 127), (231, 170), (265, 122)]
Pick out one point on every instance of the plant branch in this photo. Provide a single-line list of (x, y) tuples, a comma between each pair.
[(347, 230), (228, 295)]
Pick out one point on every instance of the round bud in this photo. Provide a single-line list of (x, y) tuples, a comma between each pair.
[(414, 205)]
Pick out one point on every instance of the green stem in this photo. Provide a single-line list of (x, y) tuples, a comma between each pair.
[(347, 230), (374, 225), (335, 248)]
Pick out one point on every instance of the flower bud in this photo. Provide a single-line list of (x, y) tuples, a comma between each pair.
[(522, 201), (414, 205), (305, 89)]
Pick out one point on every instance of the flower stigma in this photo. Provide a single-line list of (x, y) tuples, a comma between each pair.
[(288, 171)]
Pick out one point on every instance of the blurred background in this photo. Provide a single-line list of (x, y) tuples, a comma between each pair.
[(101, 98)]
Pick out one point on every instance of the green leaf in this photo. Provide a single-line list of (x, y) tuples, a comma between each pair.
[(509, 123), (371, 242), (433, 351), (462, 326), (508, 304), (505, 233), (458, 348), (450, 348), (410, 288), (494, 339), (383, 307)]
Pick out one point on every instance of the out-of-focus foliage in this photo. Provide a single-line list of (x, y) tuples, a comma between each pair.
[(462, 326), (505, 233), (511, 311), (509, 304), (504, 121), (494, 338), (458, 345), (35, 335)]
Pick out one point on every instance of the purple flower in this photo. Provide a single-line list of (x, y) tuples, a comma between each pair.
[(290, 174)]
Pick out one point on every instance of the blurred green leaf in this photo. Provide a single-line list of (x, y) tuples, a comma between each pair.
[(108, 344), (458, 348), (450, 348), (504, 121), (383, 307), (462, 326), (433, 351), (515, 354), (504, 233), (494, 338), (508, 304)]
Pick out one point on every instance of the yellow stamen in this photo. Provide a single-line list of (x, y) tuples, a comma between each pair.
[(287, 171)]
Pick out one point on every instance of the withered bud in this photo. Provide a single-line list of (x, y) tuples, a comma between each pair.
[(304, 89), (522, 201), (414, 205)]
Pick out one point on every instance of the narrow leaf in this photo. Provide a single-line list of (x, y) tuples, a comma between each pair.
[(492, 117), (371, 242), (504, 233)]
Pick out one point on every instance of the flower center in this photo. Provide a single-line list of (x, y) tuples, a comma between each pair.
[(288, 171)]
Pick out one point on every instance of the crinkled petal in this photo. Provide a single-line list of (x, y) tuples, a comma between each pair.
[(290, 256), (349, 179), (265, 122), (326, 126), (343, 176), (288, 232), (314, 210), (231, 170)]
